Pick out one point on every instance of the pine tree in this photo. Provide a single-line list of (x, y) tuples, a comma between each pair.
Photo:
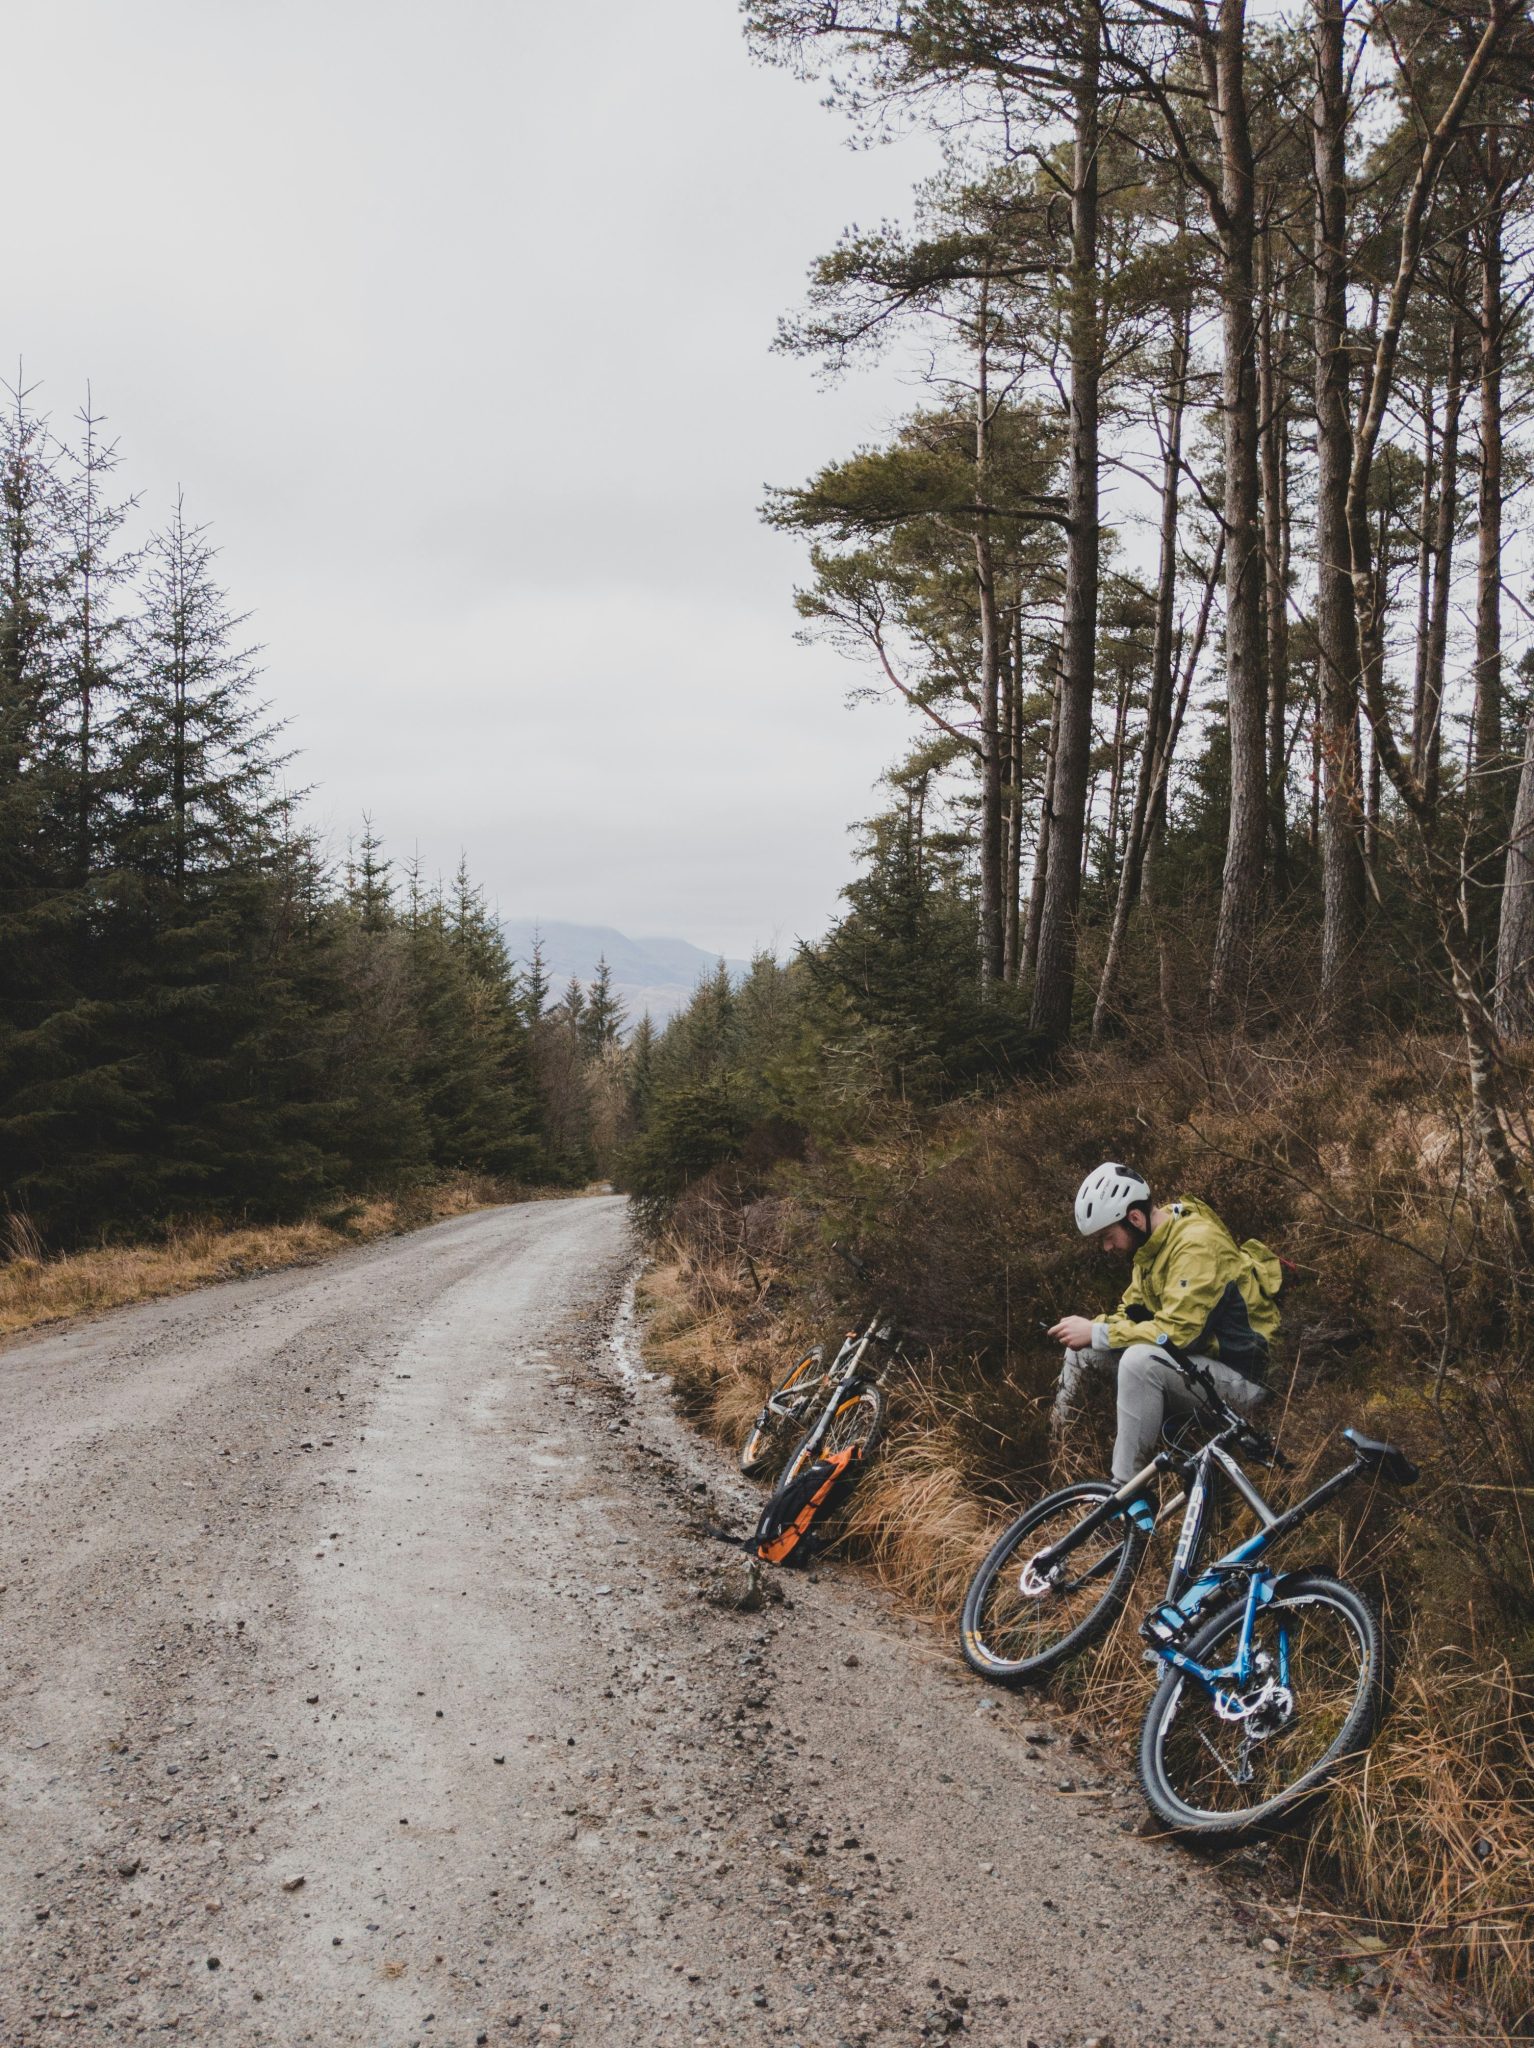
[(51, 1079), (535, 982), (94, 627), (370, 882), (641, 1070), (601, 1020)]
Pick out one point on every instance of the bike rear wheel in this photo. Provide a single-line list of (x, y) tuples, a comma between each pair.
[(858, 1420), (1016, 1637), (1207, 1775), (769, 1430)]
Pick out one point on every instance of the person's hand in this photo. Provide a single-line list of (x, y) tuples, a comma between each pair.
[(1074, 1332)]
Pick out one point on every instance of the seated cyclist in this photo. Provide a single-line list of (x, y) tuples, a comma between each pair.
[(1190, 1282)]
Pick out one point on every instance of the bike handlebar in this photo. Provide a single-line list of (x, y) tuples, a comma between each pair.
[(1250, 1437)]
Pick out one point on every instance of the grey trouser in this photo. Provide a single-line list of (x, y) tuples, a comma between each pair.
[(1149, 1388)]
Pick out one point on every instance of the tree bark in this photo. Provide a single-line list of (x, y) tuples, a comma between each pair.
[(1486, 765), (1515, 938), (1054, 978), (1158, 711), (1274, 403), (1247, 837), (1426, 764), (1012, 723), (1342, 872), (1040, 878), (1424, 578), (992, 930)]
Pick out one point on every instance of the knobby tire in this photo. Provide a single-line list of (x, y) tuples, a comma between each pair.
[(1012, 1639)]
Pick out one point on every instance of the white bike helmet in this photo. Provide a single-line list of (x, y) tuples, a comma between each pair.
[(1107, 1195)]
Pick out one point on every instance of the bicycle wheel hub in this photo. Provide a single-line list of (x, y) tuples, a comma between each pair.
[(1036, 1585), (1262, 1713)]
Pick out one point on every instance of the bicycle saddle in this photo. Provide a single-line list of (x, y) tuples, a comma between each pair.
[(1393, 1464)]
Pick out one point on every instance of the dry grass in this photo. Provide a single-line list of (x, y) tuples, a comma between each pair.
[(1367, 1179), (35, 1289)]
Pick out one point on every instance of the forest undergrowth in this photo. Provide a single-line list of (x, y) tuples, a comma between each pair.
[(37, 1289), (1409, 1319)]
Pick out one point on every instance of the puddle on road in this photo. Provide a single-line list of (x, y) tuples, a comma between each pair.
[(623, 1343)]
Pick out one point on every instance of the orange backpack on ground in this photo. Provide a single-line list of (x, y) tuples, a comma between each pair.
[(784, 1526)]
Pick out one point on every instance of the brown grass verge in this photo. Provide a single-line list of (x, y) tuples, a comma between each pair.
[(1423, 1857), (35, 1290)]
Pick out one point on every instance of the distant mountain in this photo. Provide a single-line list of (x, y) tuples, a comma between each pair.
[(658, 975)]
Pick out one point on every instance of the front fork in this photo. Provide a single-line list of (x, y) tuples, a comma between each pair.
[(1115, 1504), (1167, 1625)]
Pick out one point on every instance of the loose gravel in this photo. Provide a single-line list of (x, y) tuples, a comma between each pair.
[(368, 1680)]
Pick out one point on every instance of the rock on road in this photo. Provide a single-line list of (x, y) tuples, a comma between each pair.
[(357, 1688)]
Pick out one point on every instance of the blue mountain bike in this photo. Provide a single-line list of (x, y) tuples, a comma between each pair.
[(1270, 1680)]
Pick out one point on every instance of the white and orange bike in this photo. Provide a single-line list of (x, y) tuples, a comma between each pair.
[(817, 1409)]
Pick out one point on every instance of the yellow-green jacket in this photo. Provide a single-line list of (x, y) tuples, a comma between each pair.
[(1193, 1283)]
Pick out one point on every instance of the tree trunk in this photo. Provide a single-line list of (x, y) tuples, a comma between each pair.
[(1274, 403), (1040, 879), (1342, 873), (1246, 841), (1116, 779), (1486, 803), (1158, 711), (1424, 580), (992, 939), (1013, 851), (1515, 939), (1054, 978), (1427, 767)]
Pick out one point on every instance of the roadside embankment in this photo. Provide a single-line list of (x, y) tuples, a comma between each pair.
[(1407, 1320)]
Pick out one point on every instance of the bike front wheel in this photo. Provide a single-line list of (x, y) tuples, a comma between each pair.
[(858, 1419), (1311, 1700), (1015, 1634), (769, 1429)]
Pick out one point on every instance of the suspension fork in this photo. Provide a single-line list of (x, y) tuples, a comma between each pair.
[(1115, 1504)]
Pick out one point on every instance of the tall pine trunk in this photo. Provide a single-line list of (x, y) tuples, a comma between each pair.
[(1054, 977), (1247, 837), (1274, 402), (1039, 883), (1158, 711), (1485, 789), (1342, 872), (1515, 939), (1426, 765), (1012, 795), (992, 923)]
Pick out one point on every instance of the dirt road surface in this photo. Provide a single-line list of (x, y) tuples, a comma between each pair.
[(360, 1687)]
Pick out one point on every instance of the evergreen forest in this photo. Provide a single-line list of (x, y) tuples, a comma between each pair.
[(204, 1012)]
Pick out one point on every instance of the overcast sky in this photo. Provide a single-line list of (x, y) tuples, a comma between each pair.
[(454, 321)]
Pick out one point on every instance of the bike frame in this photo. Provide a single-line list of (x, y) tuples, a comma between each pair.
[(846, 1372), (1188, 1595)]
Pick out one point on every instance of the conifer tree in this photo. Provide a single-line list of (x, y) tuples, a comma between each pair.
[(601, 1020), (535, 982)]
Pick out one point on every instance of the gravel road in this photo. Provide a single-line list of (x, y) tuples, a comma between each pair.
[(361, 1686)]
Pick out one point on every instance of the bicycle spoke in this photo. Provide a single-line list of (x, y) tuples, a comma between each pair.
[(1015, 1625), (1269, 1736)]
